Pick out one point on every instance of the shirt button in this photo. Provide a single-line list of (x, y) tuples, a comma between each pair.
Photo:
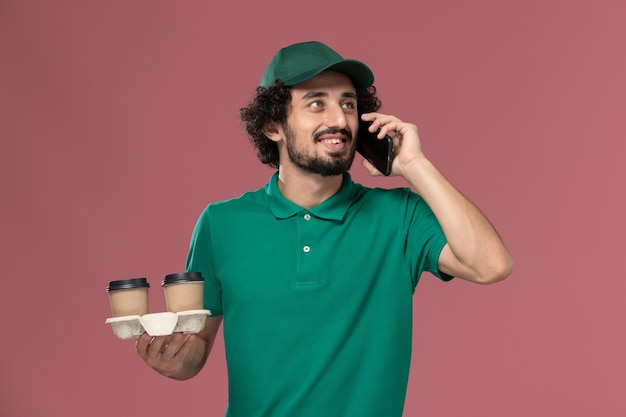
[(307, 216), (306, 249)]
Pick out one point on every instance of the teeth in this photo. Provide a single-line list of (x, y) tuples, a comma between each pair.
[(333, 141)]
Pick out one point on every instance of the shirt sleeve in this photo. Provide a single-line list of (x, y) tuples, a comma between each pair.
[(425, 239), (200, 259)]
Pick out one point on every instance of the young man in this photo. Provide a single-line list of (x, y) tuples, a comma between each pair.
[(313, 275)]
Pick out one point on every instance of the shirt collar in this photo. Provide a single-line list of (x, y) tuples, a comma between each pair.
[(334, 208)]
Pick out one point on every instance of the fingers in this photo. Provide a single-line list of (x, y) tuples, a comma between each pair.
[(160, 350), (388, 125), (142, 345), (407, 145), (173, 346)]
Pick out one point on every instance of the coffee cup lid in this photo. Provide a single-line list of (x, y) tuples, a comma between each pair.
[(182, 277), (127, 284)]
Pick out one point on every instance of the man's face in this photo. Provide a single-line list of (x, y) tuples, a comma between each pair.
[(322, 121)]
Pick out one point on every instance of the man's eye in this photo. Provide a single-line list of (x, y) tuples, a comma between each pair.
[(349, 105), (315, 104)]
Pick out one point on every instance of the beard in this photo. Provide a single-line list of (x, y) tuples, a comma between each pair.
[(334, 164)]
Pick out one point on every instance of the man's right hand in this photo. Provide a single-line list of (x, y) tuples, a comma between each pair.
[(179, 356)]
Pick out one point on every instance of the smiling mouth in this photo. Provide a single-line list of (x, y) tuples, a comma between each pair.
[(333, 136), (333, 141)]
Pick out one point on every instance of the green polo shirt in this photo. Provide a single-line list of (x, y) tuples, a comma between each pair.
[(317, 303)]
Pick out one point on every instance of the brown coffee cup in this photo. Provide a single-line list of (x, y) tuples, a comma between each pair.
[(128, 297), (183, 291)]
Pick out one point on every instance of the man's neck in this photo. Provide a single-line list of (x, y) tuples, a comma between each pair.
[(305, 189)]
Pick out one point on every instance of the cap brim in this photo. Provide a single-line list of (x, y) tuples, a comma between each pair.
[(360, 73)]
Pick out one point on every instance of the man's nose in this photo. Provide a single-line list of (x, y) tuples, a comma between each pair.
[(336, 117)]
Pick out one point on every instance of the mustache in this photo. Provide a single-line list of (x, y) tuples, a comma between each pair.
[(332, 131)]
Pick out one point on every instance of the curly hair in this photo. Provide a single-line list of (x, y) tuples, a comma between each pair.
[(271, 104)]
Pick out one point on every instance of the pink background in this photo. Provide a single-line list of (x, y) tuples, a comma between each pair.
[(118, 124)]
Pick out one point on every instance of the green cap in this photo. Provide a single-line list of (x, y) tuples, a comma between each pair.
[(300, 62)]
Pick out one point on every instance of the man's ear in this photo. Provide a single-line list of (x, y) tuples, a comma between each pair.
[(273, 131)]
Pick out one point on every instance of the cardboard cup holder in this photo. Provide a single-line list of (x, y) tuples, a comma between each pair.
[(158, 324)]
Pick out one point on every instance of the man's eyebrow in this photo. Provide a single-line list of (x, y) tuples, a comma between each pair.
[(315, 94)]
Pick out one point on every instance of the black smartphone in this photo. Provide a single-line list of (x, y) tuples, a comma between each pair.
[(378, 151)]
